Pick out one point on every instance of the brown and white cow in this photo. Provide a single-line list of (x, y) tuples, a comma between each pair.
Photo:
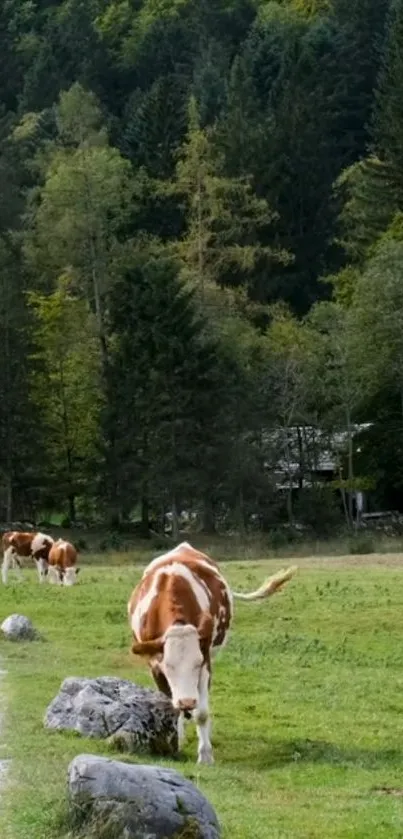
[(62, 561), (180, 613), (18, 545)]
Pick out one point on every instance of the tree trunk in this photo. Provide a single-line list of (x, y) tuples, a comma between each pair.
[(241, 512), (208, 516), (145, 514), (9, 499), (290, 512), (300, 459), (175, 520), (350, 467), (99, 315), (343, 498), (72, 507)]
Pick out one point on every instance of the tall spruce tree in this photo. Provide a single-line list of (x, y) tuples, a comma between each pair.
[(154, 126), (388, 114), (164, 389), (224, 218), (21, 451), (371, 191)]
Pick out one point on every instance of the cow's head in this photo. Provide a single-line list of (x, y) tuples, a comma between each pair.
[(53, 574), (70, 576), (182, 651)]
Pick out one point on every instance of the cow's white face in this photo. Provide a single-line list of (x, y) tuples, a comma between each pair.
[(181, 663), (70, 576)]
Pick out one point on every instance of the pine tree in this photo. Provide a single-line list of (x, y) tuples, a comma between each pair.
[(388, 114), (362, 30), (209, 82), (298, 72), (372, 189), (224, 218), (370, 198), (241, 132), (163, 389), (155, 125), (21, 452)]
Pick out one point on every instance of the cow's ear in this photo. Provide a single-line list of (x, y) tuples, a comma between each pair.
[(205, 627), (149, 648)]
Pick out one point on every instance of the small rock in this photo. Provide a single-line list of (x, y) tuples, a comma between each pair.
[(109, 798), (133, 718), (18, 628)]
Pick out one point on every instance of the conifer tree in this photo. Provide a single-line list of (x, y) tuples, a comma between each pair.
[(224, 218), (155, 123), (388, 114), (372, 189), (164, 390)]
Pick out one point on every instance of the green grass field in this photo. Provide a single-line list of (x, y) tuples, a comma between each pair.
[(307, 700)]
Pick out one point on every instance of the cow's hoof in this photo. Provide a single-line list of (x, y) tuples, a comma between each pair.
[(206, 756)]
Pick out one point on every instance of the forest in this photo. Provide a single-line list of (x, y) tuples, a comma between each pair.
[(201, 259)]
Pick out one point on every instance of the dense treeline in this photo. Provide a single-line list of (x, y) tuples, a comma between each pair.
[(201, 251)]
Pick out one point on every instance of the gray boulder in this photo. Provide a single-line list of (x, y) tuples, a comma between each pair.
[(110, 799), (133, 718), (18, 628)]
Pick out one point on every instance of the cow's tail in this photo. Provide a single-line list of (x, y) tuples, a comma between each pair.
[(268, 588)]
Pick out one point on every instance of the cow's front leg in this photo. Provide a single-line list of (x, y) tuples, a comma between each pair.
[(181, 730), (54, 577), (162, 685), (201, 717), (42, 568)]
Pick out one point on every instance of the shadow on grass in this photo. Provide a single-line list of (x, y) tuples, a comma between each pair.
[(271, 754)]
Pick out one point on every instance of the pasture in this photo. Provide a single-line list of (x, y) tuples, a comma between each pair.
[(307, 699)]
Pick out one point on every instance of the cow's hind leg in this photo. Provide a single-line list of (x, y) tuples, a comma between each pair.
[(17, 565), (201, 717), (10, 560), (7, 564)]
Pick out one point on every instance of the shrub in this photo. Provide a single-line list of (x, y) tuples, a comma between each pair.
[(318, 507), (361, 543)]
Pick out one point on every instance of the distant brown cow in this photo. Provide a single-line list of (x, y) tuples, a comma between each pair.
[(62, 563), (179, 613), (18, 545)]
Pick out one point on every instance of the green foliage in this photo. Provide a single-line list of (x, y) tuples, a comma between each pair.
[(248, 152)]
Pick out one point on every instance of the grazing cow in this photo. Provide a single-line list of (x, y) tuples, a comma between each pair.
[(180, 613), (62, 563), (18, 545)]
